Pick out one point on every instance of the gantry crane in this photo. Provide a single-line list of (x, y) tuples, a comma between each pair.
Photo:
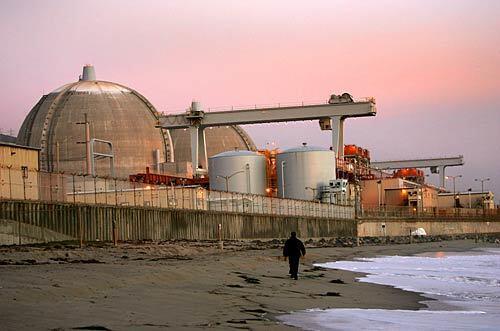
[(331, 116), (437, 165)]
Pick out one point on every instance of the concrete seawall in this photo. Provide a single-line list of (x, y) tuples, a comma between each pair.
[(95, 222), (433, 227), (11, 232), (36, 221)]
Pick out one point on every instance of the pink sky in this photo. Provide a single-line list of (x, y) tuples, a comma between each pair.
[(434, 66)]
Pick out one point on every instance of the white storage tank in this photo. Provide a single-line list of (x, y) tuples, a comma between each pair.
[(302, 171), (238, 171)]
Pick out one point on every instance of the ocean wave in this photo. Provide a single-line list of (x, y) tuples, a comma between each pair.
[(468, 281)]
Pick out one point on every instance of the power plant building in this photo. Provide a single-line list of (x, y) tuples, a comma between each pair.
[(122, 123), (105, 129), (18, 172)]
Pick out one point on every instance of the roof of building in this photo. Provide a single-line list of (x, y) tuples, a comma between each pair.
[(465, 193), (7, 138), (4, 143)]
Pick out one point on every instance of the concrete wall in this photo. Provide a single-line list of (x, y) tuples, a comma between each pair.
[(13, 232), (402, 227), (34, 221), (140, 223)]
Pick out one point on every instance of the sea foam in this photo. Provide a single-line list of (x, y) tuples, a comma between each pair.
[(468, 284)]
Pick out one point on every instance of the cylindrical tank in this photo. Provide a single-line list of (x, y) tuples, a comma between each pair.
[(238, 171), (303, 171)]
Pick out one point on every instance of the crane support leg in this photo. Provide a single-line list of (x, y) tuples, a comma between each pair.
[(198, 148), (338, 136), (442, 177), (193, 132), (202, 149)]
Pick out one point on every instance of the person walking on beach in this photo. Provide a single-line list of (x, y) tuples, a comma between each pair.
[(293, 249)]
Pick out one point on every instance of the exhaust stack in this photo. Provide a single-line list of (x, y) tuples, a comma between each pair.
[(88, 72)]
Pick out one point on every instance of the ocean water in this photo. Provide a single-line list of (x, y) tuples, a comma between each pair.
[(465, 285)]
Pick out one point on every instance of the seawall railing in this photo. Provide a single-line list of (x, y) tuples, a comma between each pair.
[(408, 212)]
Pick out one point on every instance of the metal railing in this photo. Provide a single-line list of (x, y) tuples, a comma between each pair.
[(387, 212), (267, 105)]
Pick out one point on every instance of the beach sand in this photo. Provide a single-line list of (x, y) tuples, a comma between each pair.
[(185, 285)]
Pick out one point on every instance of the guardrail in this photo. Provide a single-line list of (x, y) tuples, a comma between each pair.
[(386, 212), (266, 106)]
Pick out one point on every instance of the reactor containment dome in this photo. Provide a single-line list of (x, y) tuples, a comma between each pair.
[(115, 113)]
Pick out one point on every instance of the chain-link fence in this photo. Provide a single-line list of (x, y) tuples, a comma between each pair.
[(20, 184), (26, 184)]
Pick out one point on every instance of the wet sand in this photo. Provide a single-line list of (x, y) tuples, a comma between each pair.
[(185, 285)]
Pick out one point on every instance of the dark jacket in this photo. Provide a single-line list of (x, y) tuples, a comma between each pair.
[(294, 247)]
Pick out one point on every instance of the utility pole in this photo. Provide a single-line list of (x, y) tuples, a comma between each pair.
[(283, 163), (454, 191), (9, 167), (482, 180), (25, 174), (379, 193)]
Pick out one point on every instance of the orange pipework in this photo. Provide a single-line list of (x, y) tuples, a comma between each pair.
[(271, 173)]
